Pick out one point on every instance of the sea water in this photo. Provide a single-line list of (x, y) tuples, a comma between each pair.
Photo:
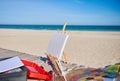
[(68, 27)]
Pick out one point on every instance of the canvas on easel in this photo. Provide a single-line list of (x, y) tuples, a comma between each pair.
[(55, 51), (57, 44)]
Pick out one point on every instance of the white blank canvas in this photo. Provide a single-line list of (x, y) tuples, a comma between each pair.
[(10, 63), (57, 44)]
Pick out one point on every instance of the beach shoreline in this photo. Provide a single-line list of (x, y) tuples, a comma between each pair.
[(89, 48)]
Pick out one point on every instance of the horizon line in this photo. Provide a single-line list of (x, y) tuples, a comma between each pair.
[(67, 24)]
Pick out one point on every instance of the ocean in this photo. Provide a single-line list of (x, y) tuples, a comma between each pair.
[(68, 27)]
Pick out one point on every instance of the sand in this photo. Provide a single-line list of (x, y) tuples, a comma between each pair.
[(89, 48)]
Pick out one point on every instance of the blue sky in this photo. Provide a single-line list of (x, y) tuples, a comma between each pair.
[(76, 12)]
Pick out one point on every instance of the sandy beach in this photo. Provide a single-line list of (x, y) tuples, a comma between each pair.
[(89, 48)]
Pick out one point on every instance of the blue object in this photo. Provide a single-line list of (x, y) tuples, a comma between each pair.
[(110, 74), (108, 79), (118, 79)]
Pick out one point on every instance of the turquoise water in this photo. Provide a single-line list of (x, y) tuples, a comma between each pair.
[(68, 27)]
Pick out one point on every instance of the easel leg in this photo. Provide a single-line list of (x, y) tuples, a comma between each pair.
[(65, 57)]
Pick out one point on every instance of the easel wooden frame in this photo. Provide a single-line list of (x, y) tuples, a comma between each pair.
[(64, 53), (56, 65), (57, 68)]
